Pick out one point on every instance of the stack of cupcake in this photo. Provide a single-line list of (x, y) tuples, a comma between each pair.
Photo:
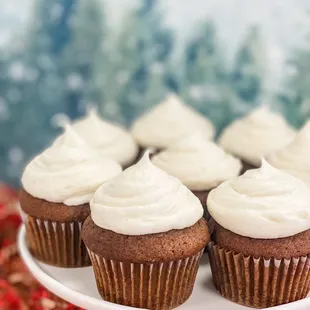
[(143, 230)]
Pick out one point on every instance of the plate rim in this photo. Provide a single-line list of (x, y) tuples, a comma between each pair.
[(91, 303)]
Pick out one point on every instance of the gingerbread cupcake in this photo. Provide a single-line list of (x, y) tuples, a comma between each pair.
[(108, 139), (145, 237), (261, 251), (256, 135), (57, 187), (167, 123), (295, 157), (199, 164)]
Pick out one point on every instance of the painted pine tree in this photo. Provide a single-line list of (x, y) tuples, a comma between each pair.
[(85, 47), (204, 82), (294, 97), (248, 69), (135, 75)]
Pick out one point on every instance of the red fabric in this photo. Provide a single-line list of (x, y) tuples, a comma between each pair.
[(18, 289)]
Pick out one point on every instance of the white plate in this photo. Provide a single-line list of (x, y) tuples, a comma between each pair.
[(78, 286)]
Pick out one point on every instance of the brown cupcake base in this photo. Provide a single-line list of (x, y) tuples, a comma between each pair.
[(203, 196), (246, 166), (153, 151), (259, 282), (53, 231), (153, 271), (56, 243), (155, 286)]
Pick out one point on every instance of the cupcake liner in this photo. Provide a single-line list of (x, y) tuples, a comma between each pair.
[(56, 243), (156, 286), (259, 282)]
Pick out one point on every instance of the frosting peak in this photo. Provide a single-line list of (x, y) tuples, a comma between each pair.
[(198, 163), (257, 135), (108, 139), (294, 158), (69, 172), (144, 200), (168, 122), (263, 203)]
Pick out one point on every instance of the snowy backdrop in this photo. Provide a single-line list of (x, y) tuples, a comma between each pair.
[(221, 56)]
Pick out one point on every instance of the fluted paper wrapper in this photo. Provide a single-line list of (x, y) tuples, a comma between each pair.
[(259, 282), (56, 243), (156, 286)]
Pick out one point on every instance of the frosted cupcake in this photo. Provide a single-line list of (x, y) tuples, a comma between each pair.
[(169, 122), (199, 164), (145, 237), (256, 135), (57, 187), (108, 139), (295, 157), (261, 252)]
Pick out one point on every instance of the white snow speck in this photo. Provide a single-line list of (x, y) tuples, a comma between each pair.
[(59, 120), (196, 92), (74, 81), (17, 71), (15, 155)]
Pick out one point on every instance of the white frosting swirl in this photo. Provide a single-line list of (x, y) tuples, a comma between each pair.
[(295, 158), (69, 172), (168, 122), (198, 163), (257, 135), (108, 139), (263, 203), (144, 200)]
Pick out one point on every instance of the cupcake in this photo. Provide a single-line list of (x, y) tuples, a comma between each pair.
[(108, 139), (145, 237), (57, 187), (167, 123), (261, 252), (295, 157), (199, 164), (256, 135)]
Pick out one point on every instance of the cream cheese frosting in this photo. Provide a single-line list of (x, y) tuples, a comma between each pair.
[(295, 158), (168, 122), (264, 203), (198, 163), (110, 140), (257, 135), (69, 172), (144, 200)]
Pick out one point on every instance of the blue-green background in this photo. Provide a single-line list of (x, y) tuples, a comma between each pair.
[(71, 59)]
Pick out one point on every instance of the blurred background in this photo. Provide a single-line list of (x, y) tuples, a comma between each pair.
[(222, 56)]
